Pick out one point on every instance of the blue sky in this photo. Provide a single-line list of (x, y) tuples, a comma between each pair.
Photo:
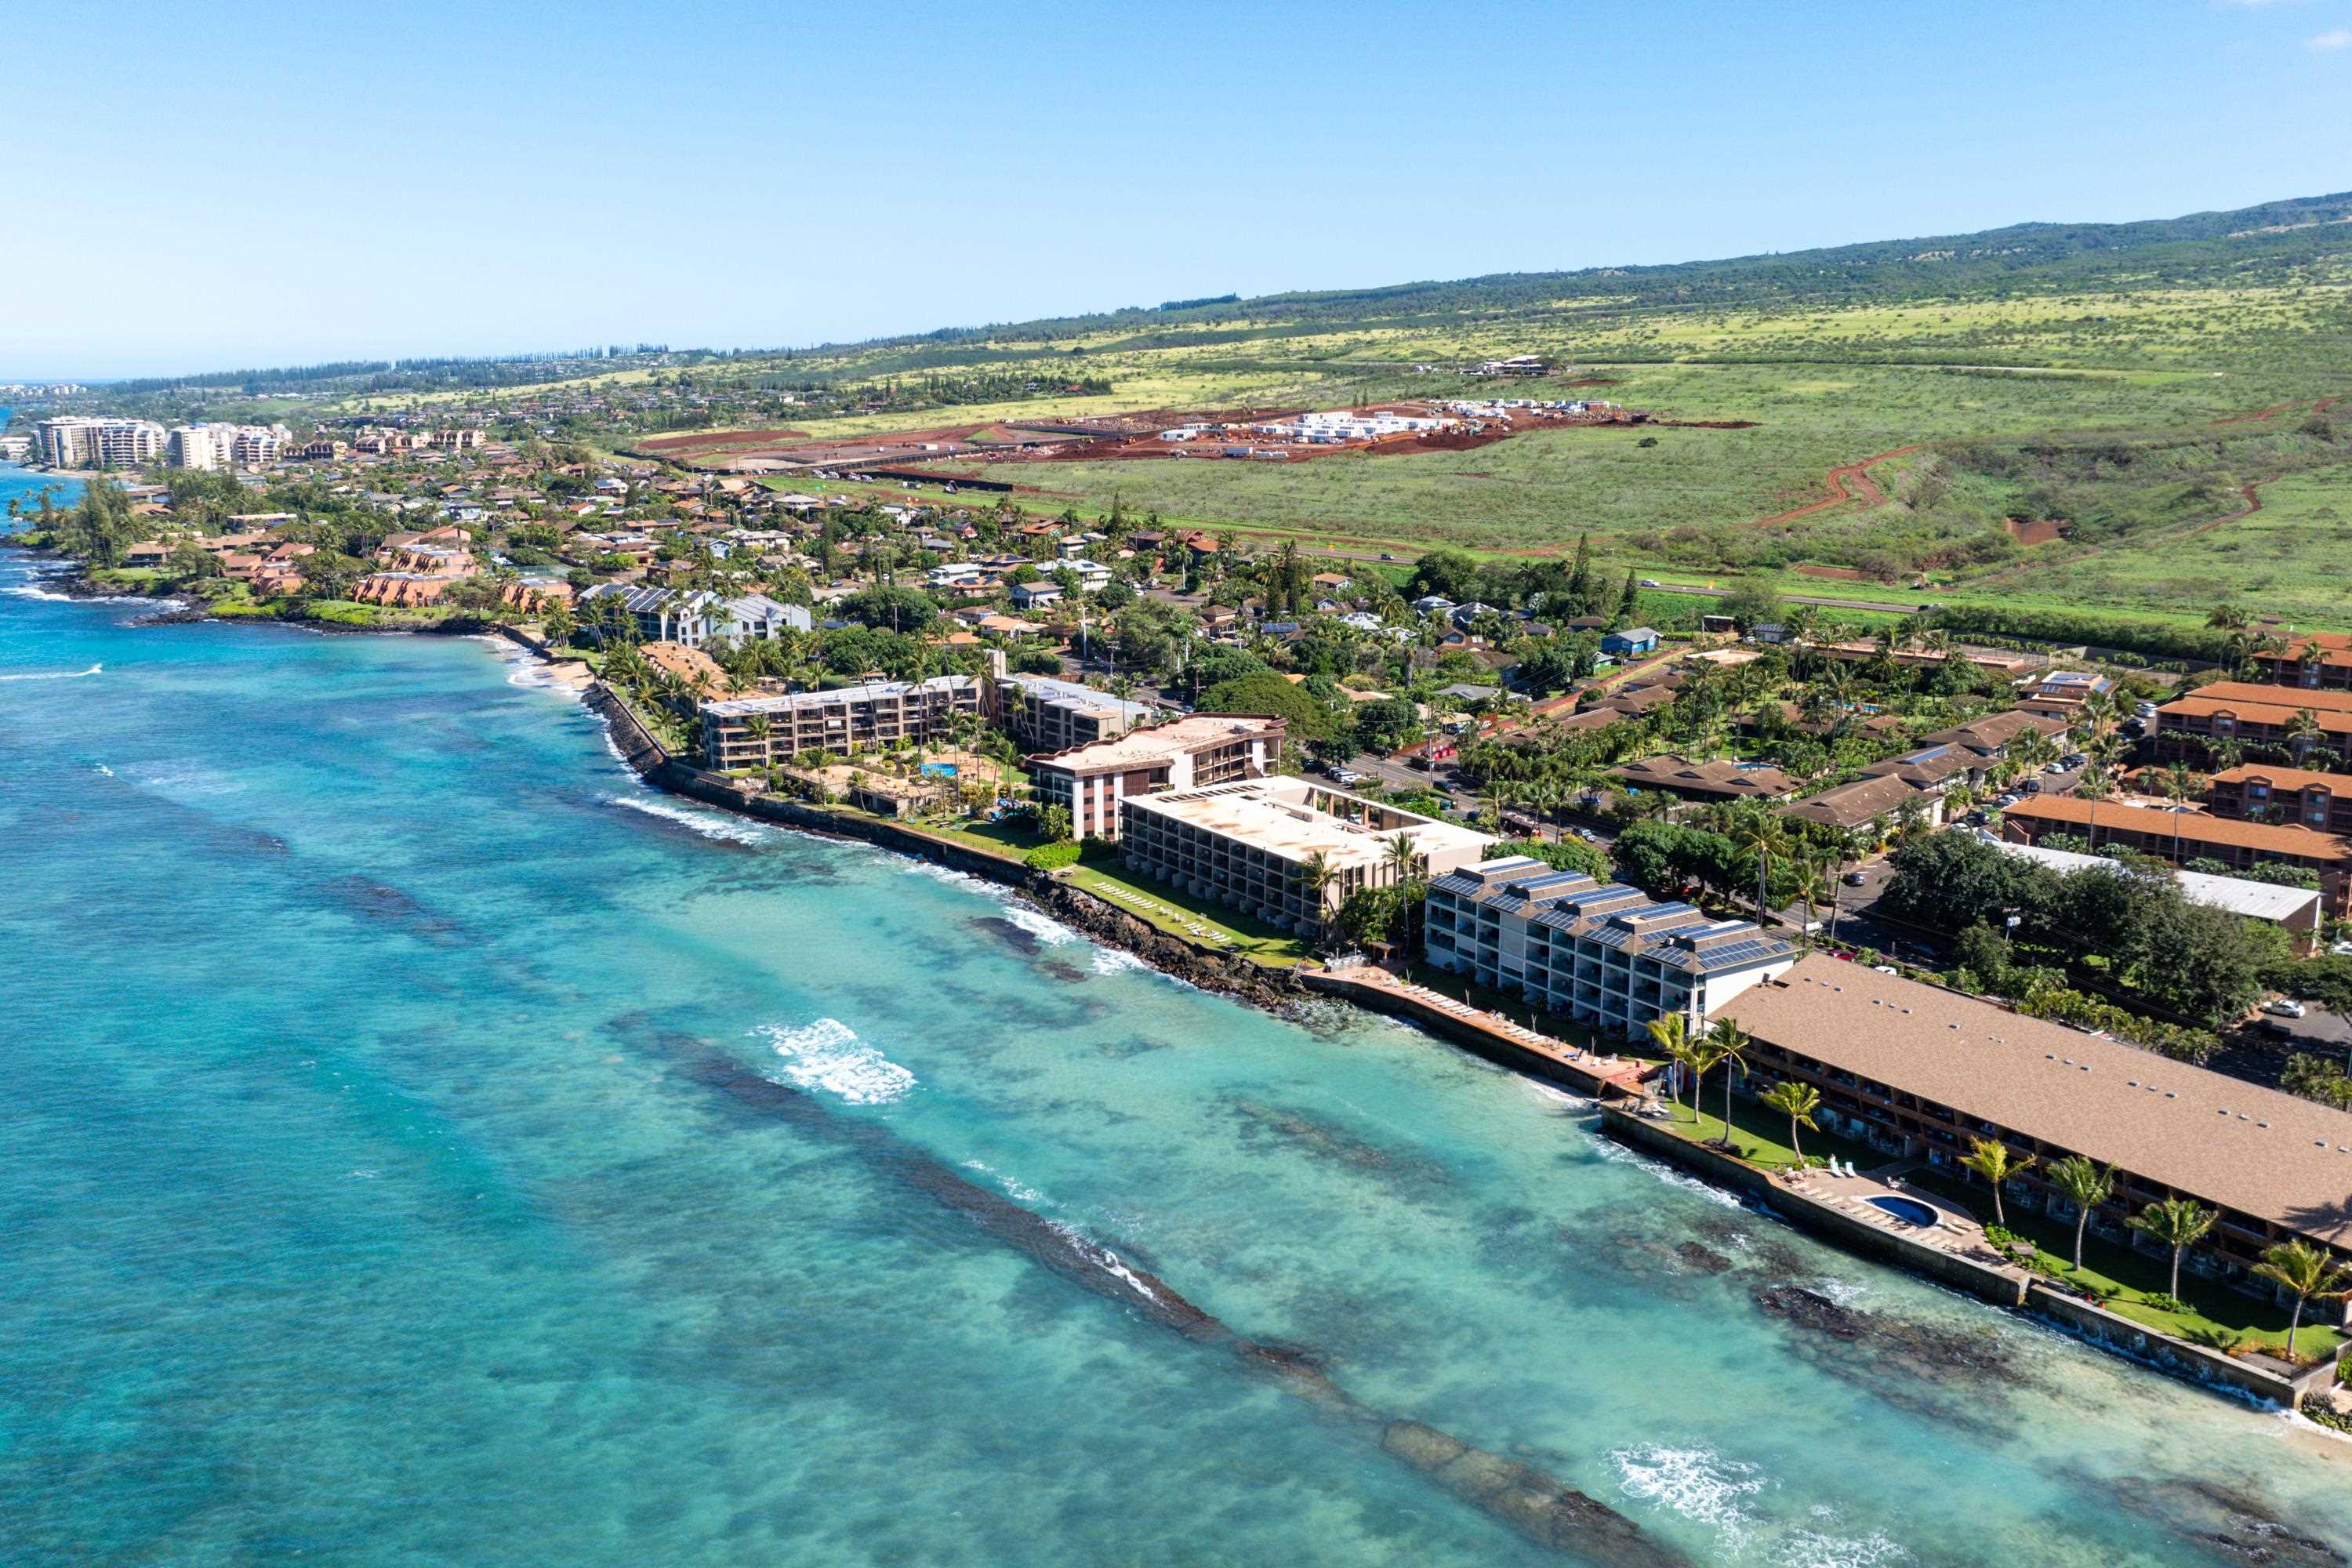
[(219, 185)]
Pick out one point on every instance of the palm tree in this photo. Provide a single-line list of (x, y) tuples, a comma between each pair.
[(2302, 731), (1798, 1101), (2088, 1186), (2179, 782), (2307, 1271), (2177, 1222), (1762, 832), (1404, 859), (1317, 873), (1671, 1033), (1731, 1052), (1990, 1158), (1700, 1055), (2094, 787)]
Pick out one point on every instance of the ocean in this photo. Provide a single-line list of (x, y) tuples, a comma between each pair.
[(426, 1144)]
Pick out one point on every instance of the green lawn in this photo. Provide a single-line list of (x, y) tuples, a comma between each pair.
[(1760, 1135), (2127, 1277), (1152, 902)]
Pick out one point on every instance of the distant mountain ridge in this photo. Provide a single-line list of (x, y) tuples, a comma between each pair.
[(2280, 237)]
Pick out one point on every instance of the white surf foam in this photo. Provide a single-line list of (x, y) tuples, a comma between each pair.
[(1112, 961), (1699, 1484), (1554, 1094), (1013, 1189), (1608, 1149), (56, 674), (102, 768), (828, 1055), (709, 823), (1045, 928), (1807, 1549)]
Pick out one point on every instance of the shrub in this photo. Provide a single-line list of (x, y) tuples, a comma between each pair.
[(1054, 857)]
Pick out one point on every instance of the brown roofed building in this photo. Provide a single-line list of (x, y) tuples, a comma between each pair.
[(2255, 715), (1718, 780), (2322, 661), (2258, 792), (2182, 836), (1991, 736), (690, 666), (1916, 1070), (1863, 801)]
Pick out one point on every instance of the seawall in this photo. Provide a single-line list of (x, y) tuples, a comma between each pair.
[(1999, 1287), (2025, 1294)]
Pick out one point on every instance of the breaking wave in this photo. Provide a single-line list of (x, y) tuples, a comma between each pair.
[(56, 674), (709, 823), (1045, 928), (828, 1055), (1608, 1149), (1015, 1190), (1699, 1484), (1113, 960)]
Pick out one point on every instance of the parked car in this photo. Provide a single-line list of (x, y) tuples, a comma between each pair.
[(2284, 1007), (1592, 837), (2145, 710), (1856, 878), (2075, 761), (1885, 969)]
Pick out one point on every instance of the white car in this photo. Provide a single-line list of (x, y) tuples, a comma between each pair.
[(1885, 969), (2284, 1008)]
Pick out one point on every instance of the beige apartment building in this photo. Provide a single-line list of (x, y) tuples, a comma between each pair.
[(1256, 844), (1090, 781), (757, 732)]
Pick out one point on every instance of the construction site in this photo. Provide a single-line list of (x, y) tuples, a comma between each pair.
[(1249, 434)]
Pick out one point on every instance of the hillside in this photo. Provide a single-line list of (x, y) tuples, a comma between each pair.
[(2045, 414)]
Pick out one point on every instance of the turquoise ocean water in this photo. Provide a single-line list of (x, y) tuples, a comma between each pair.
[(378, 1185)]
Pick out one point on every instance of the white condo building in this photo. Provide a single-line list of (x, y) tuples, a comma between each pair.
[(80, 441), (1602, 952)]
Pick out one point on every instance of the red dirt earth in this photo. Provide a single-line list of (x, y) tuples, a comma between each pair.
[(1848, 481), (715, 440)]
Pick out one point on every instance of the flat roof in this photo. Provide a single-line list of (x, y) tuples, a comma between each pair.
[(745, 707), (2228, 1143), (1046, 688), (1158, 743), (1280, 816), (2255, 901)]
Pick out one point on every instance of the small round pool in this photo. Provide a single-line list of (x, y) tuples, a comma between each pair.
[(1910, 1211)]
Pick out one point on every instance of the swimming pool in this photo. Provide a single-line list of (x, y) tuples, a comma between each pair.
[(940, 770), (1911, 1211)]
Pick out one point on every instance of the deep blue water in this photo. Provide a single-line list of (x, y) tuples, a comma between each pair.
[(370, 1193)]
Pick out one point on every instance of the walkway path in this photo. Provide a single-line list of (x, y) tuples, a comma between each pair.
[(1601, 1074)]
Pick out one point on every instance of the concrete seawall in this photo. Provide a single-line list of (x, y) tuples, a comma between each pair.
[(2001, 1288), (1998, 1286)]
